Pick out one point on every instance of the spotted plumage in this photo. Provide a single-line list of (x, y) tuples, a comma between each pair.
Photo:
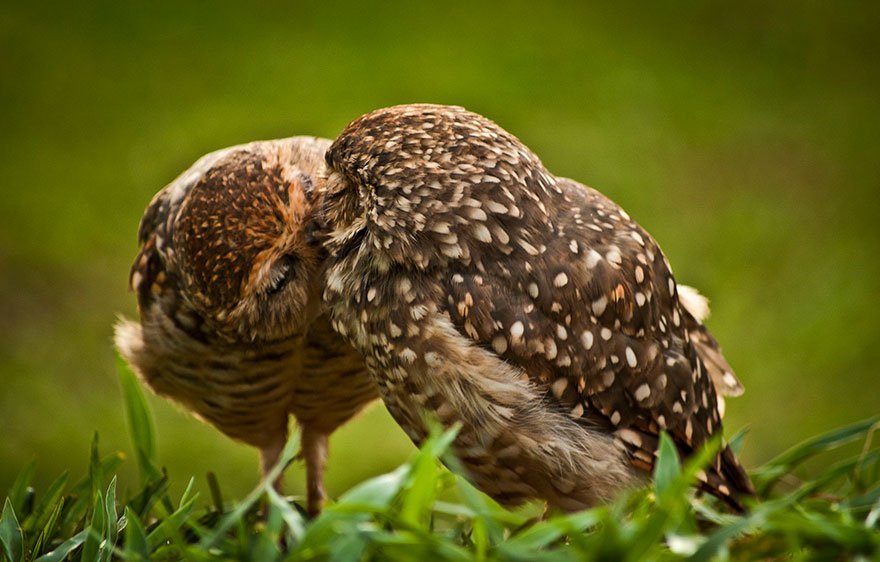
[(531, 309), (228, 286)]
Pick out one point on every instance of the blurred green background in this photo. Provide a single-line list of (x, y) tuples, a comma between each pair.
[(743, 135)]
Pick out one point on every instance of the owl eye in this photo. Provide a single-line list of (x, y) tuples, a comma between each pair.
[(283, 272)]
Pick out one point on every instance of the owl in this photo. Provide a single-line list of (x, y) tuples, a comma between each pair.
[(228, 285), (530, 309)]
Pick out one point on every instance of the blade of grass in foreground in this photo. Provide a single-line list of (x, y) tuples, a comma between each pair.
[(771, 472), (136, 545), (20, 488), (10, 533), (404, 515), (236, 515), (140, 422), (65, 548)]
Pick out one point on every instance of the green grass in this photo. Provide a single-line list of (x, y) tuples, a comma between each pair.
[(421, 511)]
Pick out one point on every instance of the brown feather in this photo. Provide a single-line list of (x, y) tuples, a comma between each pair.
[(227, 280), (529, 308)]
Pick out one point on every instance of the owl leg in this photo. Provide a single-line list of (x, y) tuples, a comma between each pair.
[(269, 456), (314, 451)]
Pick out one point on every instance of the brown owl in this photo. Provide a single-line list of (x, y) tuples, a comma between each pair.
[(228, 287), (531, 309)]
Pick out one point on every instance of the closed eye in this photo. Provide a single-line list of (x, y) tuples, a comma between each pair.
[(283, 272)]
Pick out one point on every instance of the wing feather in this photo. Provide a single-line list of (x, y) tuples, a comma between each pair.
[(595, 321)]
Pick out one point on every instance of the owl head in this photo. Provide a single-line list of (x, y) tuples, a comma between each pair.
[(424, 184), (239, 239)]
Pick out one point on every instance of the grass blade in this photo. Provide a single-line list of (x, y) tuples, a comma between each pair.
[(96, 472), (19, 490), (10, 534), (65, 548), (375, 493), (110, 521), (140, 422), (295, 523), (92, 546), (48, 529), (770, 473), (48, 504), (236, 515), (216, 494), (668, 467), (542, 534), (168, 528), (136, 545)]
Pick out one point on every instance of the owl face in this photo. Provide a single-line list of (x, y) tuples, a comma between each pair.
[(242, 247)]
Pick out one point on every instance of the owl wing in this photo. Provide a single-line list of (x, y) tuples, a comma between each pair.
[(594, 319)]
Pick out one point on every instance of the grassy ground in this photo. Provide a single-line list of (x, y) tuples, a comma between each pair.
[(743, 136), (421, 511)]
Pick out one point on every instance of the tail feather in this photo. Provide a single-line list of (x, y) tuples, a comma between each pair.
[(730, 483), (725, 478), (725, 381), (696, 307)]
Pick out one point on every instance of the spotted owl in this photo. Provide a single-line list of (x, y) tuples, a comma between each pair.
[(531, 309), (228, 286)]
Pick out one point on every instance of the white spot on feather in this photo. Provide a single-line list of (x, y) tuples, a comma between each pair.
[(587, 339), (495, 207), (561, 332), (408, 355), (482, 233), (533, 290), (531, 250), (629, 436), (500, 234), (558, 387), (499, 344), (730, 380), (695, 303), (550, 350), (517, 329), (631, 357), (599, 305), (613, 256), (475, 213)]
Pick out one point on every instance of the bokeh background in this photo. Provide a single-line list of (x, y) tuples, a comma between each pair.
[(744, 135)]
